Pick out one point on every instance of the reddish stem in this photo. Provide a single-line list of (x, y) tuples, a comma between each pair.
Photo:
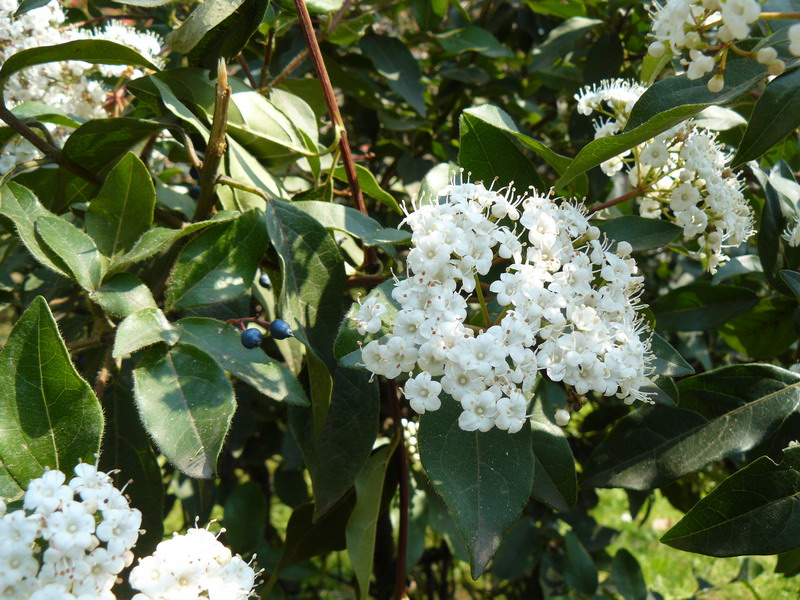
[(619, 199), (240, 322), (402, 458)]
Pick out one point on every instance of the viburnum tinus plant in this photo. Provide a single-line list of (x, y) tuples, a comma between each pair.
[(415, 299)]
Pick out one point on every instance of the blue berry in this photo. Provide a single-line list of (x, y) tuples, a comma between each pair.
[(280, 329), (265, 281), (194, 192), (251, 338), (194, 174)]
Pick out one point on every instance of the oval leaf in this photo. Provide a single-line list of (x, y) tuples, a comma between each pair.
[(700, 306), (74, 248)]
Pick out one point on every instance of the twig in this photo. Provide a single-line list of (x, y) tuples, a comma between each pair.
[(366, 281), (619, 199), (225, 180), (247, 72), (41, 127), (216, 146), (262, 78), (402, 458), (191, 153), (26, 166), (105, 18)]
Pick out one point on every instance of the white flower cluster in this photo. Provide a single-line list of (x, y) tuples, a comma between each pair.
[(192, 566), (69, 541), (682, 175), (568, 308), (66, 86), (706, 29)]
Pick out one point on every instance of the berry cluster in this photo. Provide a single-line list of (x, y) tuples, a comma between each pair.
[(70, 540), (681, 175), (566, 306), (278, 329)]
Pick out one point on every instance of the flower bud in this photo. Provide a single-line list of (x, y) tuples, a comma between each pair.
[(692, 39), (724, 34), (656, 49), (716, 83), (776, 67), (562, 417), (766, 55)]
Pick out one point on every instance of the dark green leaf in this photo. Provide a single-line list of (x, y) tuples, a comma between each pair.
[(122, 295), (579, 569), (484, 477), (186, 403), (229, 38), (246, 513), (563, 38), (126, 448), (666, 360), (123, 210), (335, 456), (363, 522), (763, 332), (429, 13), (223, 343), (219, 264), (754, 511), (774, 253), (204, 17), (472, 39), (354, 222), (554, 479), (737, 407), (143, 328), (700, 306), (605, 58), (640, 233), (788, 563), (369, 185), (776, 114), (21, 206), (29, 5), (628, 577), (395, 63), (792, 279), (73, 248), (51, 417), (100, 52)]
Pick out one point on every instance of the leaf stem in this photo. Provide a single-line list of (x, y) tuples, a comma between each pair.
[(484, 307), (402, 459), (225, 180), (247, 72), (262, 77), (619, 199), (779, 15), (216, 146)]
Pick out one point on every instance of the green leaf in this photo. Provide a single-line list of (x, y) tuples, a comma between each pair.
[(122, 295), (363, 522), (792, 279), (230, 37), (666, 360), (488, 153), (218, 265), (788, 563), (160, 238), (579, 569), (223, 343), (246, 515), (394, 62), (313, 275), (485, 478), (20, 205), (554, 479), (204, 17), (123, 210), (73, 248), (51, 417), (700, 306), (143, 328), (754, 511), (774, 253), (369, 185), (186, 404), (640, 233), (429, 13), (737, 407), (605, 58), (126, 448), (336, 455), (499, 119), (627, 576), (29, 5), (472, 39), (352, 221), (99, 52), (774, 116), (561, 39), (762, 332)]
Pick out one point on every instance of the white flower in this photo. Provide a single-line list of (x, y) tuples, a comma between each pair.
[(794, 39), (423, 393), (46, 493), (699, 65), (369, 316), (655, 154)]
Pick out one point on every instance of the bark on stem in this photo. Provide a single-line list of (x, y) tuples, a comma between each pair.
[(402, 458)]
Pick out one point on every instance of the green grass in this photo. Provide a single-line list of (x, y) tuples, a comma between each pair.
[(673, 573)]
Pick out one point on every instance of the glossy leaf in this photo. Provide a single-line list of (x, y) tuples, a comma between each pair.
[(666, 360), (73, 248), (561, 39), (218, 265), (737, 407), (229, 38), (792, 279), (762, 332), (472, 39), (394, 62), (485, 478), (579, 569), (640, 233), (223, 343), (200, 21), (554, 479), (246, 514), (122, 295), (52, 417), (774, 253), (352, 221), (754, 511), (29, 5), (627, 576), (337, 454), (700, 306), (143, 328), (100, 52), (186, 403), (123, 209), (429, 13), (363, 522), (370, 186)]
